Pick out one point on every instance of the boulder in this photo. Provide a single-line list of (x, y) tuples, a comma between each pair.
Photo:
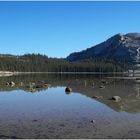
[(12, 83), (68, 89), (116, 98)]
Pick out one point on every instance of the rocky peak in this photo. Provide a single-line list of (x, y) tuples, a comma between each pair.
[(119, 46), (133, 35)]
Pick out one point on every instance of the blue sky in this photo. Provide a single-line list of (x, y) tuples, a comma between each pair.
[(59, 28)]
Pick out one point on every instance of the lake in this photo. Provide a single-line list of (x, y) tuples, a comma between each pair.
[(50, 112)]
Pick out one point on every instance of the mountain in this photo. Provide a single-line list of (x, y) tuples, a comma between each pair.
[(119, 47)]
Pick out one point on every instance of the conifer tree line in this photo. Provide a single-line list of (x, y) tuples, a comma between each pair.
[(41, 63)]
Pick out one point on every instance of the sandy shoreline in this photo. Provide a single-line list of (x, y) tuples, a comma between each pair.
[(130, 74), (6, 73), (10, 73)]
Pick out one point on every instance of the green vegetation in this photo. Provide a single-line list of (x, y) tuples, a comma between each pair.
[(41, 63)]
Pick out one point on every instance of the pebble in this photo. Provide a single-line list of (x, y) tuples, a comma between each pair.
[(92, 121)]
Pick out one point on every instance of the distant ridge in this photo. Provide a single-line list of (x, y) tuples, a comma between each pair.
[(118, 47)]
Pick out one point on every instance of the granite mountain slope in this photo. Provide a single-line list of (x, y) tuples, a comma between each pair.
[(119, 47)]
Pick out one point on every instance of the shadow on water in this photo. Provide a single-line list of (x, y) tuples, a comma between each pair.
[(84, 84)]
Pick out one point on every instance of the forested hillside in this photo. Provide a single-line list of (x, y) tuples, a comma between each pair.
[(41, 63)]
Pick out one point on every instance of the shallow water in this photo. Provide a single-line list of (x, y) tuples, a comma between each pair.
[(52, 113)]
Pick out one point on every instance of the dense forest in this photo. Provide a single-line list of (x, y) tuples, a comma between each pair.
[(41, 63)]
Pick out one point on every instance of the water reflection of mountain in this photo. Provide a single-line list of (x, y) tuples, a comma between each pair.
[(127, 90), (88, 85)]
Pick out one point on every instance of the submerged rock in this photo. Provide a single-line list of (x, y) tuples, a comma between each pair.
[(92, 121), (32, 90), (46, 85), (102, 87), (97, 97), (104, 81), (68, 93), (93, 84), (10, 83), (21, 83), (7, 83), (39, 86)]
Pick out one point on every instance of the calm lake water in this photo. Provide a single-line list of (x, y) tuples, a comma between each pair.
[(49, 112)]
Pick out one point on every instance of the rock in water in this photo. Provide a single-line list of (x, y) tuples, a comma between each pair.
[(102, 87), (68, 89), (92, 121), (39, 86), (7, 83), (12, 83), (116, 98), (104, 81), (97, 97)]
